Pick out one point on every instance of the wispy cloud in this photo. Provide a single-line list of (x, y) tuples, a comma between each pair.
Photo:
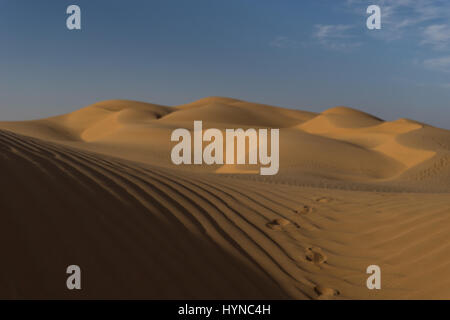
[(336, 37), (424, 22), (401, 18), (283, 42), (437, 35), (331, 31), (438, 64)]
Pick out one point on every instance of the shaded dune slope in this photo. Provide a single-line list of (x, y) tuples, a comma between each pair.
[(126, 227)]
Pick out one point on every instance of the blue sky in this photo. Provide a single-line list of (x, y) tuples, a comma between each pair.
[(309, 54)]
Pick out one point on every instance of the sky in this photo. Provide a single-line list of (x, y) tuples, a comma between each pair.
[(309, 55)]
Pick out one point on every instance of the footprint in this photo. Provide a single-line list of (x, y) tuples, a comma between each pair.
[(324, 200), (304, 210), (325, 293), (316, 255), (278, 224)]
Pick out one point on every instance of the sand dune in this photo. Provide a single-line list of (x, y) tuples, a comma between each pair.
[(96, 188)]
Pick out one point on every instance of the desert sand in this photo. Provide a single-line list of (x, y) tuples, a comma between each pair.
[(97, 188)]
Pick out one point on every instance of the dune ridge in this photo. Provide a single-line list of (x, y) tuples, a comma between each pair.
[(96, 188), (339, 144)]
